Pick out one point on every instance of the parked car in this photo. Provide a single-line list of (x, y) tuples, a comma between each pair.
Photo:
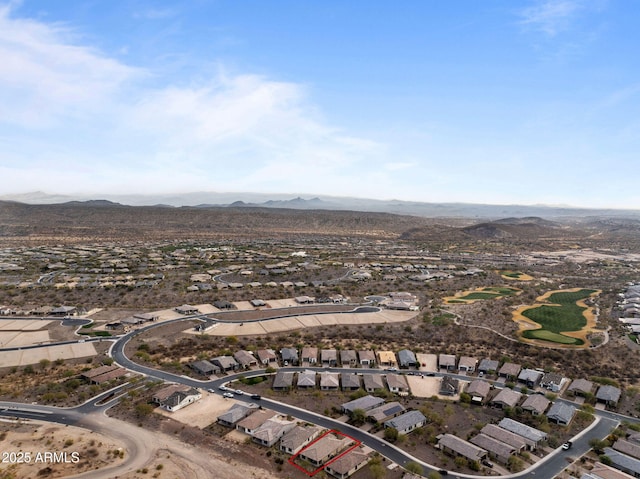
[(567, 445), (256, 396), (487, 463), (239, 392), (227, 395)]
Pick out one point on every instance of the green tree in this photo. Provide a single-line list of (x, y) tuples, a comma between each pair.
[(358, 417), (391, 434), (414, 467)]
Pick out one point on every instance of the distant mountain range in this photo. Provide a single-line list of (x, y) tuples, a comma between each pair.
[(330, 203)]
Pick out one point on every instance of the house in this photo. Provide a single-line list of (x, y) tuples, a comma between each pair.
[(478, 390), (64, 311), (303, 299), (187, 309), (204, 368), (176, 396), (502, 435), (272, 430), (348, 358), (372, 382), (349, 381), (309, 355), (561, 413), (509, 371), (306, 379), (467, 364), (580, 387), (448, 386), (253, 421), (498, 450), (329, 381), (530, 377), (386, 358), (532, 436), (365, 403), (384, 412), (236, 413), (103, 374), (289, 356), (347, 464), (224, 305), (553, 382), (407, 359), (225, 363), (367, 358), (627, 447), (324, 449), (447, 362), (407, 422), (506, 398), (621, 461), (536, 404), (267, 356), (600, 471), (283, 381), (257, 303), (245, 359), (329, 357), (397, 384), (488, 366), (609, 395), (293, 441), (455, 446)]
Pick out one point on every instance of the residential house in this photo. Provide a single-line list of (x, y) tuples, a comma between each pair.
[(372, 382), (347, 464), (187, 309), (488, 366), (554, 382), (506, 398), (245, 359), (532, 436), (514, 440), (609, 395), (626, 447), (498, 450), (348, 358), (176, 396), (272, 430), (447, 362), (530, 377), (289, 356), (509, 371), (536, 404), (324, 449), (601, 471), (225, 363), (293, 441), (365, 403), (448, 386), (283, 381), (252, 422), (561, 413), (580, 387), (224, 305), (329, 381), (349, 381), (621, 461), (329, 357), (386, 359), (397, 384), (478, 390), (407, 422), (407, 359), (267, 357), (309, 355), (467, 364), (367, 358), (236, 413), (104, 374), (384, 412), (455, 446), (306, 379)]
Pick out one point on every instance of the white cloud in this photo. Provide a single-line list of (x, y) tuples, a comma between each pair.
[(550, 16)]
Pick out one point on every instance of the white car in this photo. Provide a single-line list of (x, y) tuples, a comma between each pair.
[(227, 395), (239, 392)]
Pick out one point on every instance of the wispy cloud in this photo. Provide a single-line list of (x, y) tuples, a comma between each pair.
[(551, 16)]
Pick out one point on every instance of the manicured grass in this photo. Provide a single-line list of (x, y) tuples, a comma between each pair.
[(545, 335), (511, 274), (479, 295), (563, 314), (489, 293)]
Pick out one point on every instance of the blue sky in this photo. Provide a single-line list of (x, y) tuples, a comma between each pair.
[(504, 102)]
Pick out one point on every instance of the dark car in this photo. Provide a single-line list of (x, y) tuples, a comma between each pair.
[(487, 463), (255, 396), (442, 472)]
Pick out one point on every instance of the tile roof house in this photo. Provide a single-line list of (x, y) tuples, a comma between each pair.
[(309, 355), (365, 403), (478, 390), (467, 364), (372, 382), (329, 357), (236, 413), (283, 381), (266, 356), (561, 413), (488, 366), (626, 447), (245, 359), (349, 381), (347, 464), (272, 430), (256, 419), (306, 379), (204, 367), (580, 387), (325, 448), (176, 396), (407, 359), (225, 363), (348, 358), (514, 440), (103, 374), (530, 377), (289, 356), (293, 441), (447, 361), (384, 412), (367, 358), (455, 446), (397, 383), (536, 404), (531, 435), (610, 395), (625, 463), (509, 370), (506, 398), (407, 422), (329, 381), (498, 450)]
